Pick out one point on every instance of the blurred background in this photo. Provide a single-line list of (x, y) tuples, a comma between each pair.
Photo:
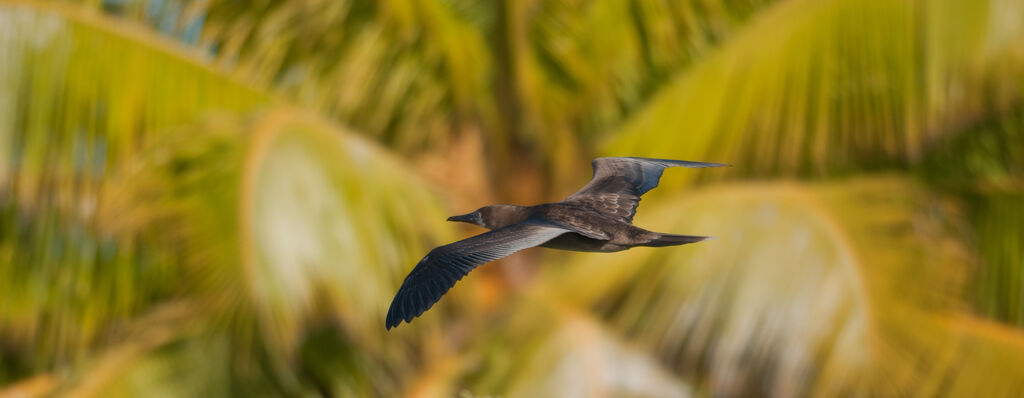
[(207, 198)]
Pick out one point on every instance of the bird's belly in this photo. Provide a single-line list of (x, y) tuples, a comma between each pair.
[(575, 242)]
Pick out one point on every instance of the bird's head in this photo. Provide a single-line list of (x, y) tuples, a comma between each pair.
[(493, 216), (472, 218)]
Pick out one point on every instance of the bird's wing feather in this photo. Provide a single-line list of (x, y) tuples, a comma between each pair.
[(619, 182), (442, 267)]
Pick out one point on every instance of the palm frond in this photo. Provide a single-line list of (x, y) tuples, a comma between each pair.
[(846, 288), (546, 348), (984, 165), (985, 158), (69, 123), (568, 71), (416, 73), (998, 289), (406, 72), (286, 225), (586, 64), (115, 198), (812, 87)]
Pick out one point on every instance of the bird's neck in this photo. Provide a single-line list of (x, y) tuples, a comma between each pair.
[(504, 215)]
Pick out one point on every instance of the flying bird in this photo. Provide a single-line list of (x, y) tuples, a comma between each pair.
[(597, 218)]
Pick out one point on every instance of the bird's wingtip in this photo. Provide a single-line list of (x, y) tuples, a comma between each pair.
[(689, 163), (392, 319), (393, 322), (667, 162)]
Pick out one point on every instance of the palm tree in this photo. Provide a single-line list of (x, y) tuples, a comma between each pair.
[(201, 227)]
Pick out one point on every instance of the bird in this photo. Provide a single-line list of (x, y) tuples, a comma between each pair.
[(597, 218)]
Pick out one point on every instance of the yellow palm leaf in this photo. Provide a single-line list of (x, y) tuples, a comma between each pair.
[(849, 287)]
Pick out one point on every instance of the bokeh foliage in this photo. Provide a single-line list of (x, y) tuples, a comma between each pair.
[(185, 215), (809, 283), (132, 197), (71, 122), (825, 88)]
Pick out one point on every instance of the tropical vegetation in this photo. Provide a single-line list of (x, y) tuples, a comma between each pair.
[(219, 198)]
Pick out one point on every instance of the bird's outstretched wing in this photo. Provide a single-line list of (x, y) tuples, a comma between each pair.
[(618, 183), (442, 267)]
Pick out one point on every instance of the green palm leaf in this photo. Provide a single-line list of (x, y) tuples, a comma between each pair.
[(117, 202), (407, 72), (814, 87), (70, 122), (851, 287), (998, 221), (288, 227), (548, 350), (415, 74)]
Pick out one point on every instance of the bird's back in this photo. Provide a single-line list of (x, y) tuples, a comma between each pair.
[(581, 218), (595, 231)]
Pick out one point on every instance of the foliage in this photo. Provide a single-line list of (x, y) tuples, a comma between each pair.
[(130, 205), (70, 123), (846, 288), (415, 74), (186, 218), (405, 71), (825, 88), (998, 220), (291, 234)]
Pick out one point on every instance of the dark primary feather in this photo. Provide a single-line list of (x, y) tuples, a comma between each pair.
[(618, 183), (442, 267)]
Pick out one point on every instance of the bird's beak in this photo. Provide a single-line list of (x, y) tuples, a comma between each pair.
[(471, 218)]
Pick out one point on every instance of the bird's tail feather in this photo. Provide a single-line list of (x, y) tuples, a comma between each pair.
[(674, 240)]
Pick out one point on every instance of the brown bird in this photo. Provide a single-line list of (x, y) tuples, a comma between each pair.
[(597, 218)]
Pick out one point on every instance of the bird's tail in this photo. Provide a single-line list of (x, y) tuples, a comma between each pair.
[(674, 240)]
